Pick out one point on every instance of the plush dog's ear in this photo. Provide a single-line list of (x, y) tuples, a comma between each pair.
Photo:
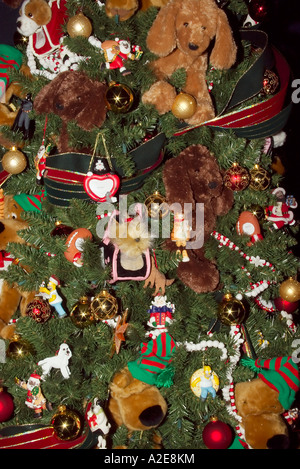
[(93, 113), (161, 38), (44, 100), (223, 55)]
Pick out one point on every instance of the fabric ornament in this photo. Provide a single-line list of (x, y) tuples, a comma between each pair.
[(153, 365)]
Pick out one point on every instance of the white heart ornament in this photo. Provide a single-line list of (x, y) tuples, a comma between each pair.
[(97, 186)]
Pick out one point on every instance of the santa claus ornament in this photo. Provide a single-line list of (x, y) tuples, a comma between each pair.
[(280, 214), (35, 399)]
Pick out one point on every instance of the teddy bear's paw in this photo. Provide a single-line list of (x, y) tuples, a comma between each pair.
[(161, 95), (203, 113), (7, 332), (200, 276)]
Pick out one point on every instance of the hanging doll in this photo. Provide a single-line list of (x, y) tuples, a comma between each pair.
[(160, 312)]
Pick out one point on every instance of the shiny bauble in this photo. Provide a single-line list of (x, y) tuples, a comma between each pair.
[(260, 179), (14, 161), (66, 424), (61, 230), (119, 98), (156, 205), (79, 25), (287, 306), (258, 9), (184, 106), (231, 311), (217, 434), (81, 314), (18, 348), (236, 178), (6, 405), (258, 211), (104, 306), (270, 82), (289, 290), (39, 310)]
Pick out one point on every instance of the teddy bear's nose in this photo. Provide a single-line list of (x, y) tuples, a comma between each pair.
[(212, 184), (151, 416), (193, 46), (59, 106), (19, 24)]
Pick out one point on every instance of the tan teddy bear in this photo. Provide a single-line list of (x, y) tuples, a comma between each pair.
[(262, 401)]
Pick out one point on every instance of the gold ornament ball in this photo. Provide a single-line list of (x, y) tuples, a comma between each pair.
[(260, 179), (14, 161), (231, 311), (156, 205), (289, 290), (258, 211), (18, 348), (66, 424), (119, 98), (81, 314), (104, 306), (184, 106), (79, 25)]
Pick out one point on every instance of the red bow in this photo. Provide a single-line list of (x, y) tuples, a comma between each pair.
[(4, 256)]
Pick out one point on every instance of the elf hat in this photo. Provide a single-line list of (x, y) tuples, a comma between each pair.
[(280, 374), (153, 365), (30, 203)]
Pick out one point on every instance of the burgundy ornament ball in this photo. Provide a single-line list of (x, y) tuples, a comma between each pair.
[(287, 306), (217, 434), (6, 405), (258, 9)]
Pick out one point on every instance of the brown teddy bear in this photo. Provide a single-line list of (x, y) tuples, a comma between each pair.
[(135, 400), (73, 96), (133, 403), (12, 297), (194, 185), (261, 402), (125, 9), (181, 35)]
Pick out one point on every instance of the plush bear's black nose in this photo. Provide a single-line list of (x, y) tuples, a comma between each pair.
[(151, 416), (2, 227), (193, 46), (59, 106), (19, 24)]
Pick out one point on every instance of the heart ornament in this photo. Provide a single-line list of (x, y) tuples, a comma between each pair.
[(98, 186)]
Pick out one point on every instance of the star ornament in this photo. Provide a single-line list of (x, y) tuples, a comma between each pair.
[(120, 330)]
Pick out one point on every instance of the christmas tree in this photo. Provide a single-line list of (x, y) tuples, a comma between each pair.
[(119, 278)]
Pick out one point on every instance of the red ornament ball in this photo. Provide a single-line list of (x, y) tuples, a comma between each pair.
[(217, 435), (236, 178), (39, 310), (6, 406), (258, 9), (287, 306)]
